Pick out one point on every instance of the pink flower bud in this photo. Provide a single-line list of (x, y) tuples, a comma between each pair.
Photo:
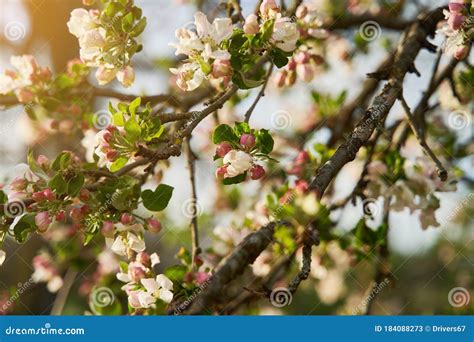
[(49, 195), (280, 78), (143, 258), (247, 141), (126, 76), (76, 214), (24, 95), (257, 172), (42, 161), (291, 79), (268, 6), (202, 277), (302, 157), (126, 218), (456, 20), (302, 11), (42, 221), (461, 52), (221, 171), (221, 68), (38, 196), (223, 148), (105, 75), (456, 6), (111, 155), (108, 229), (305, 72), (291, 64), (251, 25), (154, 226), (60, 216), (107, 136), (302, 57), (136, 273)]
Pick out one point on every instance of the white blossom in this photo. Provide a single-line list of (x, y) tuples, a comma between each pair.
[(237, 163)]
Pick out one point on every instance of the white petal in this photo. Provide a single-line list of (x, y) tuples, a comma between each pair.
[(150, 285), (166, 295), (55, 284), (3, 256), (155, 259), (164, 282)]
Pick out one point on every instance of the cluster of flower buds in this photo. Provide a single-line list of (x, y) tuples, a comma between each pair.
[(459, 28), (285, 32), (27, 79), (302, 65), (310, 21), (238, 161)]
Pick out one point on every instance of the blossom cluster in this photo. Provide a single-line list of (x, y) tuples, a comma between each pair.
[(303, 65), (24, 81), (107, 40), (459, 28), (220, 53), (240, 149)]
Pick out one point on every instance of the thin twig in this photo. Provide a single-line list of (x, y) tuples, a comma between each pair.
[(61, 298), (442, 173), (261, 93), (194, 203)]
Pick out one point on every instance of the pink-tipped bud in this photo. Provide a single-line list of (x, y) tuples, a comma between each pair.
[(42, 161), (223, 148), (60, 216), (302, 157), (291, 65), (456, 20), (154, 226), (221, 171), (247, 141), (49, 195), (291, 79), (144, 259), (456, 6), (305, 72), (269, 7), (280, 78), (38, 196), (107, 136), (301, 11), (126, 218), (24, 95), (302, 57), (126, 76), (108, 229), (221, 68), (76, 214), (202, 277), (251, 25), (42, 221), (136, 273), (111, 155), (461, 52), (257, 172)]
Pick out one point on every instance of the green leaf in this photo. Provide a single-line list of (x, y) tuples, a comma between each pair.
[(127, 22), (224, 133), (176, 273), (62, 161), (75, 185), (134, 105), (235, 180), (3, 197), (133, 129), (118, 164), (24, 225), (139, 28), (264, 141), (58, 184), (279, 58), (241, 128), (157, 200)]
